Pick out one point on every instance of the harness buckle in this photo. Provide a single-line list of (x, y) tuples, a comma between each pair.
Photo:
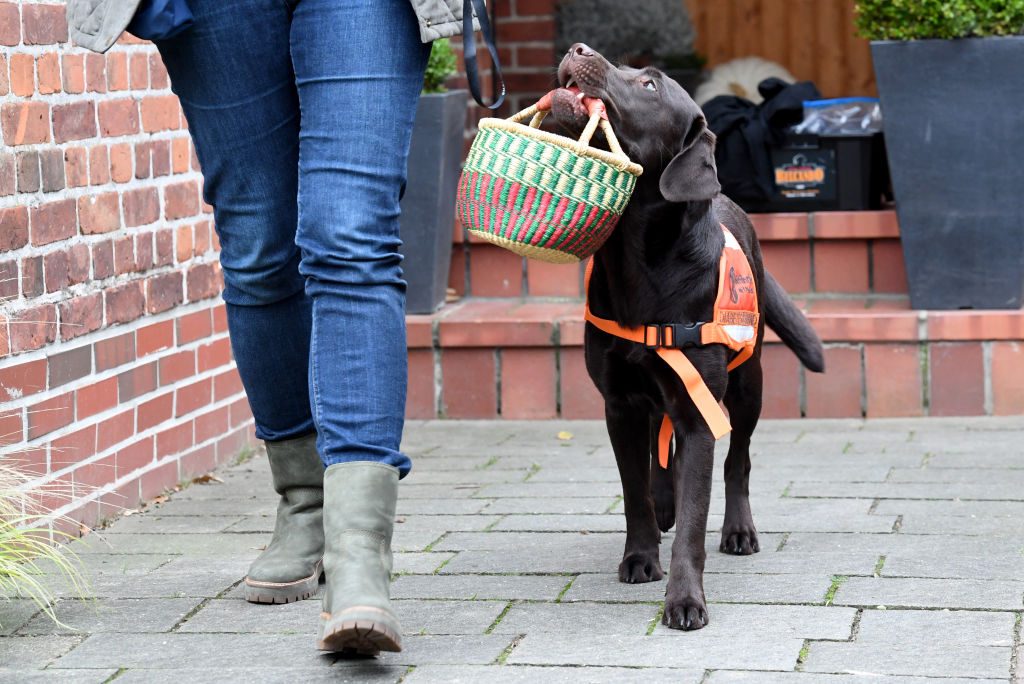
[(673, 335)]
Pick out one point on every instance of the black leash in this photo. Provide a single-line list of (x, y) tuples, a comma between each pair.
[(469, 51)]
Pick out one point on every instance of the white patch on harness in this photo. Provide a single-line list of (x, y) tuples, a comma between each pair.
[(740, 333)]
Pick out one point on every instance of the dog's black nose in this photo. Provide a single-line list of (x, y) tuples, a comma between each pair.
[(581, 50)]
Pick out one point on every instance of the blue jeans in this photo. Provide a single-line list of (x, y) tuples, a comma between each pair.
[(301, 112)]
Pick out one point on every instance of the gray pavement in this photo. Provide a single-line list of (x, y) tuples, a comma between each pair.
[(891, 551)]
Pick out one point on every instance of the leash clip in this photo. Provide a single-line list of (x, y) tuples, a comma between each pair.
[(673, 335)]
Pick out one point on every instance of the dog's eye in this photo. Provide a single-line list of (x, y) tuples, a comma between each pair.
[(650, 85)]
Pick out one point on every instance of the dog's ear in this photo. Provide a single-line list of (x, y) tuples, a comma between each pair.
[(692, 174)]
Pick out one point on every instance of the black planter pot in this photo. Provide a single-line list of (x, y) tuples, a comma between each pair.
[(954, 131), (428, 205)]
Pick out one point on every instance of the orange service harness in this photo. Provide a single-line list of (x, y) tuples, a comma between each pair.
[(734, 325)]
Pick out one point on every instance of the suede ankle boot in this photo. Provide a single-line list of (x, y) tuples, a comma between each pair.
[(290, 567), (359, 516)]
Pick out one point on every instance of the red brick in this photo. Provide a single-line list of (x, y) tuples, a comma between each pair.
[(118, 117), (33, 328), (8, 173), (142, 160), (228, 447), (115, 430), (114, 351), (135, 456), (227, 384), (495, 272), (25, 123), (203, 282), (73, 71), (789, 263), (214, 355), (76, 167), (53, 221), (180, 154), (530, 82), (856, 224), (48, 73), (159, 479), (96, 398), (957, 383), (124, 254), (51, 415), (81, 315), (181, 200), (160, 155), (211, 425), (124, 303), (13, 228), (121, 162), (220, 319), (202, 238), (44, 24), (10, 23), (117, 71), (74, 121), (12, 429), (198, 461), (160, 113), (138, 71), (155, 411), (887, 268), (1007, 371), (781, 388), (52, 167), (419, 402), (99, 165), (22, 379), (194, 326), (9, 280), (158, 78), (55, 270), (72, 448), (23, 75), (841, 266), (836, 393), (163, 292), (174, 440), (91, 476), (78, 264), (239, 412), (893, 380), (99, 213), (154, 338), (457, 270), (143, 251), (103, 259), (28, 172), (137, 381), (538, 7), (535, 56), (553, 280), (164, 247), (32, 276), (69, 366), (192, 397), (5, 84), (469, 383), (141, 206), (95, 73), (528, 379), (513, 31), (976, 325), (177, 367), (5, 342), (183, 243)]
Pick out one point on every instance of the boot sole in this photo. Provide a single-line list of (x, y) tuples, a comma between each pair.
[(283, 592), (361, 637)]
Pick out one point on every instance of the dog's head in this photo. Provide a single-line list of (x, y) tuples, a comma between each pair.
[(657, 123)]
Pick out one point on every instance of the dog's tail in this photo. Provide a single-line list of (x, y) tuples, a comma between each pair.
[(792, 327)]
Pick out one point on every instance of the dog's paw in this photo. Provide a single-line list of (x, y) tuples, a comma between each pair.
[(739, 539), (686, 613), (637, 568)]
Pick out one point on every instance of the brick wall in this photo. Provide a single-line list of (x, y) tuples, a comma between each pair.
[(116, 376)]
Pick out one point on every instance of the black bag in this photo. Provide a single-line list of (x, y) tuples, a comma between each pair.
[(746, 130)]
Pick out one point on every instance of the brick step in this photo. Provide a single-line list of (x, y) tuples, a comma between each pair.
[(841, 252), (517, 358)]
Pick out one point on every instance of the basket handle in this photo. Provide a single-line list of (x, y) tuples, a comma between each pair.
[(598, 118)]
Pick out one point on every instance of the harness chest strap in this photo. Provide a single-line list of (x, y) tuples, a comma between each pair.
[(735, 325)]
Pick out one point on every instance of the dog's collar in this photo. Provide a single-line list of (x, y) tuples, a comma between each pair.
[(735, 325)]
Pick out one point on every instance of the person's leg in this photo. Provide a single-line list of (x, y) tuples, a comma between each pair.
[(359, 69), (232, 72)]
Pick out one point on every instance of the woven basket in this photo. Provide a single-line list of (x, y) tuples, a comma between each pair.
[(542, 195)]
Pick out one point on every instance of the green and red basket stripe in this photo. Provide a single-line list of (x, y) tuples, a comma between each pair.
[(542, 195)]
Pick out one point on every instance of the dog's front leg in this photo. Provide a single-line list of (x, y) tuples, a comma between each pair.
[(685, 607), (628, 430)]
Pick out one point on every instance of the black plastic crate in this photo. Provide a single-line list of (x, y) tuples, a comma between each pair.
[(827, 173)]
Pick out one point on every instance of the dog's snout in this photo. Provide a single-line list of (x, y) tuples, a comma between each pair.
[(581, 50)]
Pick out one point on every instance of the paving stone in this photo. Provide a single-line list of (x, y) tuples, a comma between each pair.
[(235, 617), (356, 672), (551, 489), (937, 660), (526, 674), (447, 617), (769, 562), (562, 523), (540, 587), (809, 522), (420, 563), (160, 524), (448, 650), (423, 475), (978, 460), (112, 615), (805, 622), (879, 544), (434, 491), (15, 676), (962, 524), (437, 459), (734, 677), (34, 652), (441, 506), (192, 545), (581, 619), (954, 565), (228, 506), (1000, 509), (933, 474), (931, 593), (179, 578), (952, 627), (676, 650), (994, 491), (552, 505), (723, 588), (415, 533), (14, 613)]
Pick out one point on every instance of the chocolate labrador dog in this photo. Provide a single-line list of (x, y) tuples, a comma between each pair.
[(661, 265)]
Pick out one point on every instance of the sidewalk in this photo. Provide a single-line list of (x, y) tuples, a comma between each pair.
[(888, 548)]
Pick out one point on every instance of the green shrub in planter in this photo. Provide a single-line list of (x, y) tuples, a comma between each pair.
[(440, 67), (923, 19)]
